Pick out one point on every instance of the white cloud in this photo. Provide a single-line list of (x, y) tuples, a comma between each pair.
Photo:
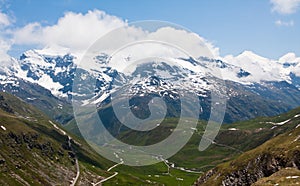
[(190, 42), (5, 42), (285, 6), (76, 31), (4, 19), (5, 59), (4, 47), (284, 23), (79, 31)]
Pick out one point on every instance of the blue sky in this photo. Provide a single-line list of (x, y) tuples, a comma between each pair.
[(231, 25)]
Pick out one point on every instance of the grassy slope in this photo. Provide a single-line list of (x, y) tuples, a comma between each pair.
[(284, 177), (279, 152), (34, 152), (229, 145)]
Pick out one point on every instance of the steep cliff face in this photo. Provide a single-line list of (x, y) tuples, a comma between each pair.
[(262, 166), (276, 154)]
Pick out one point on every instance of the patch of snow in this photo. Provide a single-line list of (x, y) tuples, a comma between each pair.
[(35, 59), (296, 115), (292, 177), (280, 123), (273, 127), (3, 128), (45, 81), (31, 99), (83, 76), (297, 138), (55, 126), (5, 80), (106, 77), (101, 98), (193, 128), (58, 70), (59, 106), (284, 122)]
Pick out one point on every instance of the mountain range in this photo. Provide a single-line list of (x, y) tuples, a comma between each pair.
[(253, 85), (261, 151)]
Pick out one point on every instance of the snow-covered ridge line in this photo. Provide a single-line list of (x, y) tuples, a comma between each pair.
[(53, 70), (264, 69)]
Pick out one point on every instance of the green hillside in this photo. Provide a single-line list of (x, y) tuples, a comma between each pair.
[(35, 151), (277, 156), (232, 141)]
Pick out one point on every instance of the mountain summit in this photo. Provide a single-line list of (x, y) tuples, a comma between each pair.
[(272, 85)]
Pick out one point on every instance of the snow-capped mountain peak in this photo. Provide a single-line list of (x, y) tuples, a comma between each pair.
[(264, 69), (56, 72), (250, 56), (248, 75), (53, 72), (289, 58)]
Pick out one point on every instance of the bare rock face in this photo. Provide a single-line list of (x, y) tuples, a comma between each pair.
[(262, 166)]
